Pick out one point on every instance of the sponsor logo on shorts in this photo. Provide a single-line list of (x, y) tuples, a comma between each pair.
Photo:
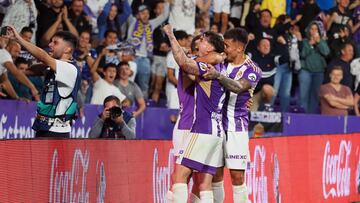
[(230, 156)]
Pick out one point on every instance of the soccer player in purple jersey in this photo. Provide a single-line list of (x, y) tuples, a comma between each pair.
[(185, 90), (202, 152), (239, 68)]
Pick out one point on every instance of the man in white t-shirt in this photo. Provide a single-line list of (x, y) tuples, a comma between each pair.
[(104, 87), (6, 64), (182, 13), (57, 105)]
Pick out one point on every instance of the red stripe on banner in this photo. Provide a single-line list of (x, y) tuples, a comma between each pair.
[(283, 169)]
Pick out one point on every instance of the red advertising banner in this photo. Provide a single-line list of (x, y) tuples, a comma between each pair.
[(282, 169)]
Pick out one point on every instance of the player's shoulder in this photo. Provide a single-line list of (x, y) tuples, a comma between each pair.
[(252, 66)]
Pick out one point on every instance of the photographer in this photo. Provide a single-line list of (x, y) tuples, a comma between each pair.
[(113, 122)]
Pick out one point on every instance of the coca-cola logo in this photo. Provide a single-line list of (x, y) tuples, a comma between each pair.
[(162, 176), (256, 178), (357, 177), (70, 185), (336, 171)]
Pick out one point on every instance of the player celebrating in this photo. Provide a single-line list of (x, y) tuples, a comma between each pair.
[(242, 69)]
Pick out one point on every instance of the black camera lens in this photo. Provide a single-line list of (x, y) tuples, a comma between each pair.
[(115, 112)]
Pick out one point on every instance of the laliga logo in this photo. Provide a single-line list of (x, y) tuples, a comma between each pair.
[(336, 171), (70, 186), (256, 179), (162, 176)]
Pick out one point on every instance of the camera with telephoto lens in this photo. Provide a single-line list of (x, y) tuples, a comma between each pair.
[(115, 112)]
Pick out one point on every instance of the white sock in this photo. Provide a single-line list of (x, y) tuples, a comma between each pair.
[(194, 198), (180, 192), (207, 196), (169, 197), (240, 193), (219, 193)]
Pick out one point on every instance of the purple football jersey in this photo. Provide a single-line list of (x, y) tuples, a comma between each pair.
[(235, 111), (209, 98), (186, 101)]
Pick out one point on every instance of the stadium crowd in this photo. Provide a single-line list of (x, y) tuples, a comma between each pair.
[(122, 50)]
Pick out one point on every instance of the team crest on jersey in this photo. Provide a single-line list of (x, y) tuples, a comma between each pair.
[(252, 76), (239, 74), (203, 66)]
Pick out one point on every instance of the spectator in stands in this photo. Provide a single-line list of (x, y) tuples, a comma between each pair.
[(335, 98), (342, 37), (84, 55), (111, 38), (93, 9), (114, 14), (313, 64), (182, 14), (357, 101), (21, 90), (7, 57), (252, 20), (221, 10), (347, 54), (173, 71), (27, 34), (264, 90), (22, 14), (276, 8), (263, 30), (283, 76), (307, 13), (113, 122), (130, 89), (356, 29), (337, 18), (140, 34), (83, 97), (78, 17), (128, 55), (104, 87), (52, 19), (161, 48)]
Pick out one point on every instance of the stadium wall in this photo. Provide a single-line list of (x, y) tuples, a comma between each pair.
[(316, 168)]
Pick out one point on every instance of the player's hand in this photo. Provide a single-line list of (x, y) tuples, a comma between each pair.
[(167, 29), (249, 103), (211, 73)]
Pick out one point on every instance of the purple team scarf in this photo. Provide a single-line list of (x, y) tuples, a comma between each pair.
[(140, 31)]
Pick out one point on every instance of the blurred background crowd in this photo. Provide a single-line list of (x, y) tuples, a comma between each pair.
[(308, 50)]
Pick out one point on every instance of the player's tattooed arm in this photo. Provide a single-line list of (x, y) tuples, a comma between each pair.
[(187, 64), (236, 86)]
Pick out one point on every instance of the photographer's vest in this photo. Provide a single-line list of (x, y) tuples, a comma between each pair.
[(48, 113)]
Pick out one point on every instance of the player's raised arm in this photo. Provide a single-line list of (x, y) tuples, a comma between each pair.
[(187, 64)]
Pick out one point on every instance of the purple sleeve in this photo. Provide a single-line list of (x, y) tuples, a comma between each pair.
[(252, 76)]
